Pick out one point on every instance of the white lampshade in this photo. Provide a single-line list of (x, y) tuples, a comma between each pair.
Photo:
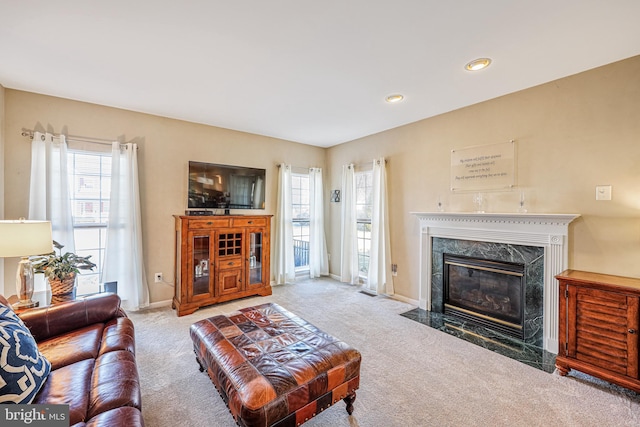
[(25, 238)]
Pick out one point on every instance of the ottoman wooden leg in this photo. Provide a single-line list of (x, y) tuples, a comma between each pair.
[(349, 401), (199, 364)]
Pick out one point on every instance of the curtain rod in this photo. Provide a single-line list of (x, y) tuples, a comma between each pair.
[(29, 133), (297, 167), (368, 164)]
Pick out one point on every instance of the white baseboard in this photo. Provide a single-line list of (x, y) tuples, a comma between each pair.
[(166, 303), (405, 299), (395, 296)]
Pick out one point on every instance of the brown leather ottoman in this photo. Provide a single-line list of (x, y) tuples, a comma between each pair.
[(273, 368)]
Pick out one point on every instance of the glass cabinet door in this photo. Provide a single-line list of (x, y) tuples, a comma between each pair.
[(200, 264), (255, 258)]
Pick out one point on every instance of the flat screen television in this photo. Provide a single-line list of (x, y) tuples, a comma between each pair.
[(213, 186)]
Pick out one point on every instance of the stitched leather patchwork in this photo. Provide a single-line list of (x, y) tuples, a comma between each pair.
[(273, 367)]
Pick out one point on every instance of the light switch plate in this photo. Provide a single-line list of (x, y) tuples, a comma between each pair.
[(603, 192)]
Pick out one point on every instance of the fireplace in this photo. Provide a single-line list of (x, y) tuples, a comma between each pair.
[(547, 232), (484, 292)]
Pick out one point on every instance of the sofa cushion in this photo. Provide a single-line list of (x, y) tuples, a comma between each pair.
[(114, 384), (72, 347), (118, 334), (69, 385), (92, 387), (23, 369), (58, 319), (119, 417)]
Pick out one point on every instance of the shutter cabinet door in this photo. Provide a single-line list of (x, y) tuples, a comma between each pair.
[(603, 329)]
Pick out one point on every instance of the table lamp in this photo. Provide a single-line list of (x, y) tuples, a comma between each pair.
[(23, 238)]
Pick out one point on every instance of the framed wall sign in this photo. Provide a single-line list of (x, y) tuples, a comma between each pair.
[(483, 167)]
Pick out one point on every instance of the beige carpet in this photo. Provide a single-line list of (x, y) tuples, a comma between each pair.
[(411, 375)]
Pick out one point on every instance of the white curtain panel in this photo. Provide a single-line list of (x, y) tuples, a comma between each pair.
[(379, 278), (284, 263), (49, 191), (349, 242), (124, 261), (318, 257)]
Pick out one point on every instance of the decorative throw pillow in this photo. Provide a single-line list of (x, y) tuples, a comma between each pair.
[(23, 369)]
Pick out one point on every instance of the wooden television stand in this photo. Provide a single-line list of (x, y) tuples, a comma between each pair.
[(220, 258)]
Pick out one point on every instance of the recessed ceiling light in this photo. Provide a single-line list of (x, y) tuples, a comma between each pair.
[(478, 64), (394, 98)]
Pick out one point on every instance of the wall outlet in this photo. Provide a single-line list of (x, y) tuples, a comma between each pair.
[(394, 269), (158, 277)]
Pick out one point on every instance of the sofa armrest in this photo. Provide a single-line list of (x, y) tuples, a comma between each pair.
[(47, 322)]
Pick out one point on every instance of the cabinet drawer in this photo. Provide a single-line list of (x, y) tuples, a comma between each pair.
[(208, 223), (247, 222), (227, 263)]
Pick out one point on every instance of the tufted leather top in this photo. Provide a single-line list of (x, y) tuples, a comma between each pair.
[(272, 367), (90, 344)]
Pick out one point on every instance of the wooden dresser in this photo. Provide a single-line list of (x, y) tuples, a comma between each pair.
[(599, 326), (220, 258)]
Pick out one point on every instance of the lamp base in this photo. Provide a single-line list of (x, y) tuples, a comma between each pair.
[(26, 304), (24, 284)]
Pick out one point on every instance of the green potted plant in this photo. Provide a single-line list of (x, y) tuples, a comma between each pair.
[(60, 270)]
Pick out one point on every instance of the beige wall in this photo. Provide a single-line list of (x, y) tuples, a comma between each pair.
[(571, 135), (4, 281), (166, 146)]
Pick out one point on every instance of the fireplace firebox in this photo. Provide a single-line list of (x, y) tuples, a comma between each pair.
[(485, 292)]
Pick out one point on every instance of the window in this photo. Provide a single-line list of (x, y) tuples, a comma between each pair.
[(364, 200), (300, 219), (90, 182)]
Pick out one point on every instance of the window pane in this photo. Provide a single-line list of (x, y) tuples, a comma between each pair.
[(86, 238), (86, 163), (361, 212), (301, 231), (300, 207), (106, 166), (94, 253), (88, 282), (90, 176), (297, 211), (364, 199), (302, 212), (105, 186), (295, 196), (104, 212), (87, 186), (361, 195)]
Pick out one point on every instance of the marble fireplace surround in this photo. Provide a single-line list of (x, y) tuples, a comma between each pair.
[(549, 231)]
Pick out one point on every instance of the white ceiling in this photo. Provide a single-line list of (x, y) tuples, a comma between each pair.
[(314, 72)]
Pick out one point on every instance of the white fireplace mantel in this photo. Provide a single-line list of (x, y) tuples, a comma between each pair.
[(549, 231)]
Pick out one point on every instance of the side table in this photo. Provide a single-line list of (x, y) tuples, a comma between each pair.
[(45, 298)]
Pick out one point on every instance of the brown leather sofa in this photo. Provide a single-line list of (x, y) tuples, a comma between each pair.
[(91, 346)]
